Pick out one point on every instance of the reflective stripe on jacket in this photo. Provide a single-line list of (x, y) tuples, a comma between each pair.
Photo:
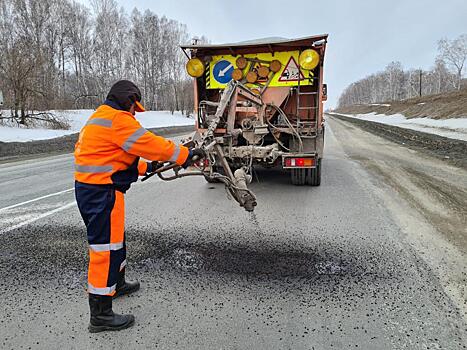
[(109, 147)]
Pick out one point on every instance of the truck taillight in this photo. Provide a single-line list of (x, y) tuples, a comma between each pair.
[(298, 162)]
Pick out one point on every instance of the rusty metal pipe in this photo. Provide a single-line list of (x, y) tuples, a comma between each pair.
[(245, 197)]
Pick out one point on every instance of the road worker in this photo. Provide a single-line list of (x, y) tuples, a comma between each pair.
[(107, 161)]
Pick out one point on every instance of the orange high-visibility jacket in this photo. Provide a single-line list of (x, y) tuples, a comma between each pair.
[(109, 147)]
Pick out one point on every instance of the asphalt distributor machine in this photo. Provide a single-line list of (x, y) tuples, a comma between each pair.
[(258, 103)]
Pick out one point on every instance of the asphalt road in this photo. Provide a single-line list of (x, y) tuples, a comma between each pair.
[(350, 264)]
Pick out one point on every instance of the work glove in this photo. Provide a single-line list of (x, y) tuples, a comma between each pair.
[(153, 166), (195, 155)]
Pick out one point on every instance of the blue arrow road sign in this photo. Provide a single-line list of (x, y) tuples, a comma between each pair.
[(222, 71)]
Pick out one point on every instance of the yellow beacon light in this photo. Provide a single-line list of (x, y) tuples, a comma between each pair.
[(195, 67), (308, 59)]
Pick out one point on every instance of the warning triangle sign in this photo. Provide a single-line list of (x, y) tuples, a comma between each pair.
[(291, 71)]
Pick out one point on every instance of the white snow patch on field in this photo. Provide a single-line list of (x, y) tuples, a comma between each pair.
[(454, 128), (77, 119)]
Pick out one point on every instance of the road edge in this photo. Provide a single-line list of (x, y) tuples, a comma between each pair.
[(448, 150), (17, 151)]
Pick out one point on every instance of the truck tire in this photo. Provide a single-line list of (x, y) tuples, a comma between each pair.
[(313, 177), (298, 176)]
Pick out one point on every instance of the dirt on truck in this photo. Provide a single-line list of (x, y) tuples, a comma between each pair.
[(260, 103)]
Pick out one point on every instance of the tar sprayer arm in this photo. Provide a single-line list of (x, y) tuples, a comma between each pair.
[(236, 183)]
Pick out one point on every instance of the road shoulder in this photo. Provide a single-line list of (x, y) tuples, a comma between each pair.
[(447, 150), (427, 198)]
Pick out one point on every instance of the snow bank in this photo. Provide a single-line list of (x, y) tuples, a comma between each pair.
[(77, 119), (454, 128)]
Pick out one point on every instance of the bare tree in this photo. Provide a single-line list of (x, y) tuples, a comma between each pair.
[(454, 53), (81, 85), (59, 54), (156, 59), (395, 84)]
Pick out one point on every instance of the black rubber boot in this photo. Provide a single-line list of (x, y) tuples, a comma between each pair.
[(103, 318), (125, 287)]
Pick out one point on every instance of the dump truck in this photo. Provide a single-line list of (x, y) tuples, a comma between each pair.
[(261, 102)]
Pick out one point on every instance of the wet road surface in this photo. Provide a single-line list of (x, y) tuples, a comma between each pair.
[(316, 268)]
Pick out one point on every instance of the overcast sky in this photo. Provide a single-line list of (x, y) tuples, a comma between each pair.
[(364, 35)]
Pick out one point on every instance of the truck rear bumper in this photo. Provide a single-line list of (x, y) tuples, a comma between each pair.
[(272, 155)]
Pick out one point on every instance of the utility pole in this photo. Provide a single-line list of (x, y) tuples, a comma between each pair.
[(1, 102), (420, 83)]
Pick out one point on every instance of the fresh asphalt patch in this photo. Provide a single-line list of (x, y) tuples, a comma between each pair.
[(327, 280)]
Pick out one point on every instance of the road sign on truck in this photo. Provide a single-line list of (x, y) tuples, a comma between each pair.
[(221, 67)]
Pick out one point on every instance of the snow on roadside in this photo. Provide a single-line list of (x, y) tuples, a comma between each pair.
[(454, 128), (77, 119)]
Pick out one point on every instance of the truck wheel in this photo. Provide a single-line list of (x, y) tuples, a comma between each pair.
[(313, 177), (298, 176)]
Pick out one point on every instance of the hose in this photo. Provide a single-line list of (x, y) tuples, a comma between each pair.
[(275, 138), (281, 112)]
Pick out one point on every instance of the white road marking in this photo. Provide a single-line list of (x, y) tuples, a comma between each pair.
[(30, 221), (36, 199)]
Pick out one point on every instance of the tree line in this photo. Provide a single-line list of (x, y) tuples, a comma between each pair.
[(61, 54), (395, 84)]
